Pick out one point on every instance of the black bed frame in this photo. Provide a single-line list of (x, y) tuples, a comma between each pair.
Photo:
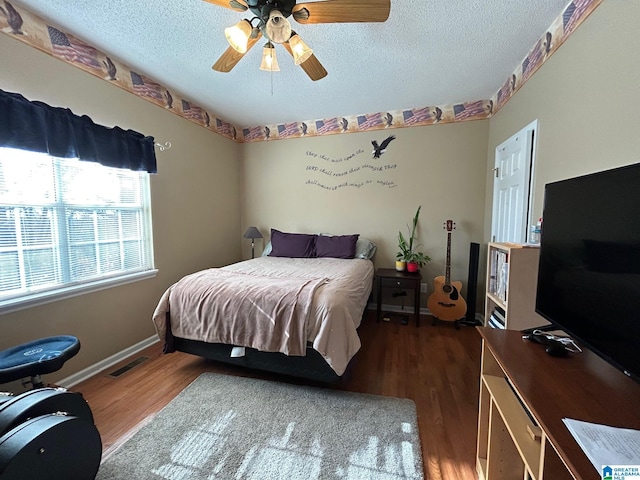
[(312, 366)]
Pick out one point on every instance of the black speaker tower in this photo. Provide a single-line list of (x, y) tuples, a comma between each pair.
[(472, 284)]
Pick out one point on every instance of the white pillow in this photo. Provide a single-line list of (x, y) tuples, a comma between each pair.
[(365, 248)]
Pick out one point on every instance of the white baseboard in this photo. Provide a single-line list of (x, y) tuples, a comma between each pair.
[(96, 368)]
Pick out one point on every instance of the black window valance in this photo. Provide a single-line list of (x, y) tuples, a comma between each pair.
[(38, 127)]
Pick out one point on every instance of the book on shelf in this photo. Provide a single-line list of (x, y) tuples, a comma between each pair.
[(493, 272), (499, 268), (497, 318), (495, 324)]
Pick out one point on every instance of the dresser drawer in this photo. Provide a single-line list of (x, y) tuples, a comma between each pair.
[(398, 282)]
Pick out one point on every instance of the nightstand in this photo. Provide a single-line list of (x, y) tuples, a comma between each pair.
[(391, 278)]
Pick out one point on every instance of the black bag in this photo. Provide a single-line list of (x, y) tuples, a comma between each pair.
[(41, 401), (48, 433), (5, 397)]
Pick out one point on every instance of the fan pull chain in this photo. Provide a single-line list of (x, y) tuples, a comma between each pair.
[(271, 74)]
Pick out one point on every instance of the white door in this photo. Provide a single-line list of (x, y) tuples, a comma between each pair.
[(511, 187)]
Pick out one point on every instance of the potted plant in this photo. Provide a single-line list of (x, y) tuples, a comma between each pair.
[(403, 254), (416, 261), (408, 249)]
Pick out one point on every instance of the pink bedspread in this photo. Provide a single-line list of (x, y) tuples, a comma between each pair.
[(273, 304)]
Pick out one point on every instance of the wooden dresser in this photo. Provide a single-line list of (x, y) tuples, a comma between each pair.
[(524, 391)]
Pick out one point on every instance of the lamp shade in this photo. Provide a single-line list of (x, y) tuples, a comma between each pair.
[(269, 59), (238, 35), (301, 50), (278, 28), (252, 232)]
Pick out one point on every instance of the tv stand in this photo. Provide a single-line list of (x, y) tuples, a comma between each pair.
[(525, 394)]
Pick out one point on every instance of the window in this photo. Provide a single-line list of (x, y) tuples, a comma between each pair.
[(68, 226)]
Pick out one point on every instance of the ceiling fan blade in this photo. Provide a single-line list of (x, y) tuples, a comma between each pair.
[(237, 5), (338, 11), (313, 68), (311, 65), (231, 56)]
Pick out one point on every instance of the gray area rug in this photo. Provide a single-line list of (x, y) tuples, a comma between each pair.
[(225, 427)]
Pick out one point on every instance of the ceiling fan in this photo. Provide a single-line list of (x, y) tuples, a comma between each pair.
[(270, 21)]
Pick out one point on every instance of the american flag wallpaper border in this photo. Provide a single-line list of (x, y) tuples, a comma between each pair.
[(563, 26), (35, 32)]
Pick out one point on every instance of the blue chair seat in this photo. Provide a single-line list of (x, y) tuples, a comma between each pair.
[(38, 357)]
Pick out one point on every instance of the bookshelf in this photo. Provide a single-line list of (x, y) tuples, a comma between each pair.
[(512, 275)]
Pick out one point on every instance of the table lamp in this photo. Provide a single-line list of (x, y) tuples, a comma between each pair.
[(252, 233)]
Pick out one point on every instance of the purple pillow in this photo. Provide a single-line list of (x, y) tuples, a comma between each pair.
[(337, 246), (294, 245)]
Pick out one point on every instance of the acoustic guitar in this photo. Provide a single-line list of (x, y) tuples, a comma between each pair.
[(446, 302)]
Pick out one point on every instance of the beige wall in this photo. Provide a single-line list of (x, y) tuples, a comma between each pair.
[(195, 204), (586, 98), (439, 167)]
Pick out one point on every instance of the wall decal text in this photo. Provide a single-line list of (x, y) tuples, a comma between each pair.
[(324, 169)]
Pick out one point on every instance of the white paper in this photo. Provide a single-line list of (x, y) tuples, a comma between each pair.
[(606, 445), (237, 352)]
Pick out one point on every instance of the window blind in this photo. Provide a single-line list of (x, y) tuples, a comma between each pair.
[(65, 223)]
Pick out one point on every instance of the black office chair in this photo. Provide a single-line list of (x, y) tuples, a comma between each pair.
[(32, 359)]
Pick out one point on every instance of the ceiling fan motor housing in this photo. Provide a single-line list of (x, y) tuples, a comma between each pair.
[(262, 8)]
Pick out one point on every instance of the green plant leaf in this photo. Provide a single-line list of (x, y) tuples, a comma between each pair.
[(408, 249)]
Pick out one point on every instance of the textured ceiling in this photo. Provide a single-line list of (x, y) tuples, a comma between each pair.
[(429, 52)]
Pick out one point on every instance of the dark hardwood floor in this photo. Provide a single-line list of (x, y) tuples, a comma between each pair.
[(435, 366)]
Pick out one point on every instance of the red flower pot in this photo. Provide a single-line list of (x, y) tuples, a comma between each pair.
[(412, 267)]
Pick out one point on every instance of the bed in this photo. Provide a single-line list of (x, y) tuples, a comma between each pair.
[(296, 315)]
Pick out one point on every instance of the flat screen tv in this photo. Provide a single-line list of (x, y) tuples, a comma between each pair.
[(589, 270)]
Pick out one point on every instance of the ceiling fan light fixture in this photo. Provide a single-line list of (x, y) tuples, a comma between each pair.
[(269, 59), (300, 50), (238, 35), (278, 28)]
